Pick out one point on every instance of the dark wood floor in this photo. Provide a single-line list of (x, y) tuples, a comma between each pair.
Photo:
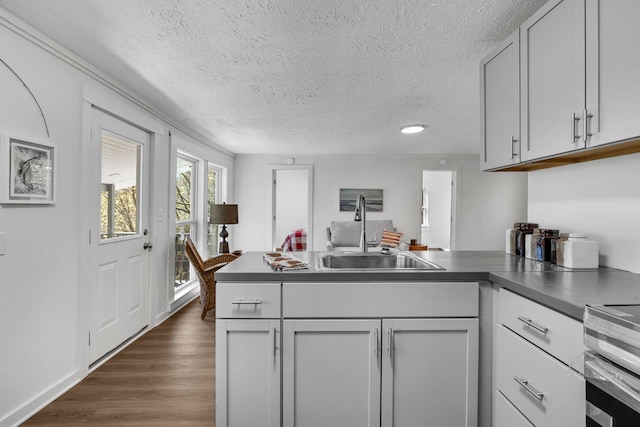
[(165, 378)]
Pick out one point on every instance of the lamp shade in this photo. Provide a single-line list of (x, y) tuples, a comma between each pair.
[(223, 214)]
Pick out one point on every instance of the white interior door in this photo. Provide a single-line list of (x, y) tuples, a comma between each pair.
[(437, 208), (119, 233), (291, 202)]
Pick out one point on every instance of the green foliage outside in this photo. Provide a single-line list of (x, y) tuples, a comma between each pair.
[(125, 213)]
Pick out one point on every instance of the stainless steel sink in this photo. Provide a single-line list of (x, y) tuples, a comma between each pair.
[(372, 261)]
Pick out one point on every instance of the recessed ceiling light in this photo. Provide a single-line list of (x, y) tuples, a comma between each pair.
[(412, 128)]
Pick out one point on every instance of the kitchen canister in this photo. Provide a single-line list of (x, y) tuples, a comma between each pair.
[(556, 248), (510, 239), (577, 251), (527, 246), (525, 229), (541, 243)]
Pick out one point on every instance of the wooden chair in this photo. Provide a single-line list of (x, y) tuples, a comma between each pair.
[(205, 271)]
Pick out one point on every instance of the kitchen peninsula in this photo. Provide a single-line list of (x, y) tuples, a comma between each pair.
[(318, 347)]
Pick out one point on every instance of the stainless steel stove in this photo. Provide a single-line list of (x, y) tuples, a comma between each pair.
[(612, 365)]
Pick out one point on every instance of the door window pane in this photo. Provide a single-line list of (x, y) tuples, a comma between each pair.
[(119, 204)]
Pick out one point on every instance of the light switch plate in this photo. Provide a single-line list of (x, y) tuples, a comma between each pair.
[(3, 243)]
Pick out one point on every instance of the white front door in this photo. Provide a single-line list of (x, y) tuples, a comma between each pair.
[(119, 233)]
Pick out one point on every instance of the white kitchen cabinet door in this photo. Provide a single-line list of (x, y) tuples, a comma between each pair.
[(613, 91), (500, 104), (248, 373), (331, 373), (430, 372), (506, 415), (552, 79)]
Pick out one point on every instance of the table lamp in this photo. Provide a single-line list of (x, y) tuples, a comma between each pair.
[(223, 214)]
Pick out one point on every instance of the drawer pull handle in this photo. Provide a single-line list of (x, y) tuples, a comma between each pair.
[(246, 301), (533, 324), (525, 385)]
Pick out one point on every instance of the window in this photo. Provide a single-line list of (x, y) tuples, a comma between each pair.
[(425, 207), (197, 186), (213, 195), (186, 218)]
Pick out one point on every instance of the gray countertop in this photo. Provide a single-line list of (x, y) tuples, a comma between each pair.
[(564, 290)]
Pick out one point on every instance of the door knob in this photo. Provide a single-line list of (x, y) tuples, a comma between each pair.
[(147, 245)]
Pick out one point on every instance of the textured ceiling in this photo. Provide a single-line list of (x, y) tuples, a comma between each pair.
[(296, 76)]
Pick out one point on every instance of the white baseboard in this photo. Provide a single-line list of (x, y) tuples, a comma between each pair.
[(32, 407), (184, 300)]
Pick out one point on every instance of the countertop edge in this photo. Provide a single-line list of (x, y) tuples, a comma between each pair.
[(565, 307)]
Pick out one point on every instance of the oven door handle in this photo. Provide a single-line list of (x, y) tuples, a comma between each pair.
[(618, 383), (598, 416)]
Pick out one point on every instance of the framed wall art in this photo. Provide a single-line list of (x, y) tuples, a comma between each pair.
[(28, 171), (349, 197)]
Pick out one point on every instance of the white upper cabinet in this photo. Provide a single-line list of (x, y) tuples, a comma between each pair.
[(579, 95), (613, 88), (500, 99), (553, 79)]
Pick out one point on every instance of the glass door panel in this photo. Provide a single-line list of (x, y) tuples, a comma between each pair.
[(119, 201)]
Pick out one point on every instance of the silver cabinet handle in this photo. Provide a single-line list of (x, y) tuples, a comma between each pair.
[(513, 145), (375, 343), (574, 119), (275, 342), (585, 126), (533, 324), (390, 343), (525, 385), (246, 301)]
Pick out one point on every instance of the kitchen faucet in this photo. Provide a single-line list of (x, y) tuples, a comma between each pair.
[(361, 215)]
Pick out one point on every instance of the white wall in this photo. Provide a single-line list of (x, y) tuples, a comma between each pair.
[(600, 198), (486, 204), (42, 335)]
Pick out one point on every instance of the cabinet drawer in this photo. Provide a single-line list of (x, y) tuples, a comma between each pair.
[(398, 299), (561, 397), (553, 332), (248, 300), (506, 415)]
